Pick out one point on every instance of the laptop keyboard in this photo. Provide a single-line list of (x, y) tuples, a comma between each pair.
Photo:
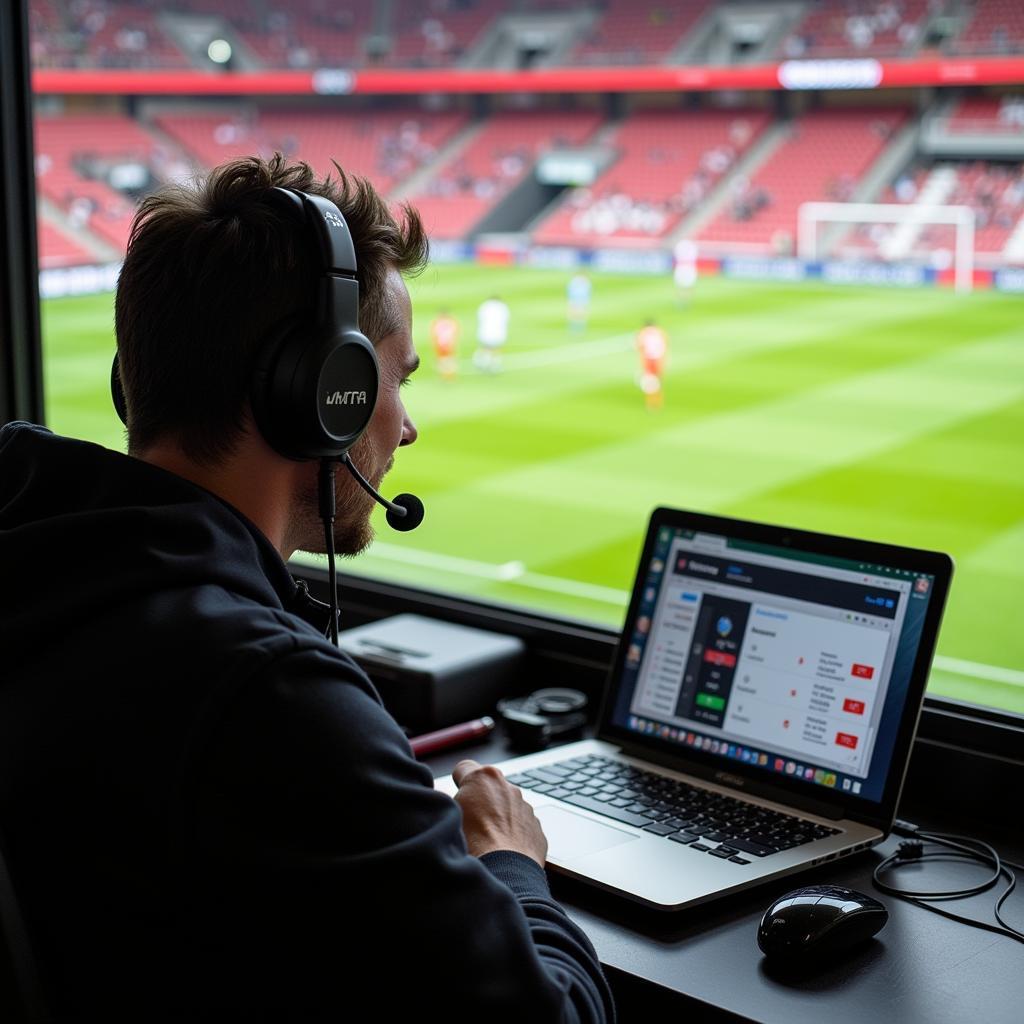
[(704, 820)]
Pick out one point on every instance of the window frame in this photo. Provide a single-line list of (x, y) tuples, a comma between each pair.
[(955, 735), (21, 353)]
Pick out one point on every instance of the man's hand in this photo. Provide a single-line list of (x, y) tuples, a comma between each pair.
[(495, 816)]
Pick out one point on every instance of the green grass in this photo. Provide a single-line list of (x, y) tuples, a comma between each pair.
[(887, 414)]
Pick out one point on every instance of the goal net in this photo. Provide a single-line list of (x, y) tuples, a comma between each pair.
[(942, 237)]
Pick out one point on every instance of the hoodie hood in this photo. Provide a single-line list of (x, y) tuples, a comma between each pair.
[(85, 531)]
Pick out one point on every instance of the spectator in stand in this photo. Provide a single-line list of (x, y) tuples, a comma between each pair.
[(905, 189), (1011, 111)]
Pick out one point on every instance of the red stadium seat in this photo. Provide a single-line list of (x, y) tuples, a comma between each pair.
[(827, 154), (471, 182)]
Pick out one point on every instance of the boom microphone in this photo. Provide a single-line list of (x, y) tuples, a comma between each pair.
[(405, 513)]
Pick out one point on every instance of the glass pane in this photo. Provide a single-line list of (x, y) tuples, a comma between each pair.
[(877, 402)]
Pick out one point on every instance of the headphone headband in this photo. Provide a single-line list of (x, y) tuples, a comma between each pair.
[(315, 381), (329, 231)]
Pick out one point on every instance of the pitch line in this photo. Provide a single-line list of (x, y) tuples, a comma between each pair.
[(568, 353), (505, 572), (516, 572), (975, 670)]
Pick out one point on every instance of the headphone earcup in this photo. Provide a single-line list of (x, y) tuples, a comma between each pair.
[(313, 398)]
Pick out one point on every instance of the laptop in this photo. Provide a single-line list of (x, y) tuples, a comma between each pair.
[(758, 716)]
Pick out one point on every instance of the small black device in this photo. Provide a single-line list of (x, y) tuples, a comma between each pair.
[(432, 673), (808, 924), (315, 379), (535, 722)]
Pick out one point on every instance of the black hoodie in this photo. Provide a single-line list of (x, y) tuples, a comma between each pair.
[(206, 810)]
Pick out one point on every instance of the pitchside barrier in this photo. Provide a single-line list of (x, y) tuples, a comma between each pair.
[(58, 282)]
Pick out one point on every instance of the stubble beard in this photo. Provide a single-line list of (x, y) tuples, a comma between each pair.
[(353, 531)]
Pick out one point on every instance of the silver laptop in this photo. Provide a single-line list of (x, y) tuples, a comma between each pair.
[(758, 717)]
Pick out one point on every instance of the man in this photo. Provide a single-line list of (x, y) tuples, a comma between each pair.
[(492, 319), (652, 344), (206, 810), (444, 335), (684, 271), (578, 295)]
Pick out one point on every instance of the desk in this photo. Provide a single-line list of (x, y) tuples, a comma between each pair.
[(920, 968)]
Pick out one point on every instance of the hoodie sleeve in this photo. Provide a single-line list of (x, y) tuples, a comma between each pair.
[(325, 872)]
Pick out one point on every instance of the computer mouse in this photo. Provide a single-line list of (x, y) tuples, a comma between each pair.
[(816, 921)]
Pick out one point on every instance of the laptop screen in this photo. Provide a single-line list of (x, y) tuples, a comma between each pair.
[(793, 663)]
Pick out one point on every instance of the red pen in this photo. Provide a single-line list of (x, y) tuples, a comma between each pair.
[(431, 742)]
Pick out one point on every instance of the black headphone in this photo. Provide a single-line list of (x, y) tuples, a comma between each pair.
[(314, 385)]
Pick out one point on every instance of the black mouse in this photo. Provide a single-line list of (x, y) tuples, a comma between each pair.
[(809, 923)]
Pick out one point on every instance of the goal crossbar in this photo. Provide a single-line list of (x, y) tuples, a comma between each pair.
[(811, 215)]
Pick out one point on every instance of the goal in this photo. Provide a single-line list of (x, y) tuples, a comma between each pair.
[(910, 219)]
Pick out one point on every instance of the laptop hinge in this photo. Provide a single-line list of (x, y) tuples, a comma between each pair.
[(733, 780)]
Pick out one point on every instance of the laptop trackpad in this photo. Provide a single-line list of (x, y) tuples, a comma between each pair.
[(571, 836)]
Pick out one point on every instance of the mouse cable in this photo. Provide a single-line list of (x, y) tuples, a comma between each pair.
[(952, 848)]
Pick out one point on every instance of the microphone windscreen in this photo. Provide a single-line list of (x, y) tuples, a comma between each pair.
[(413, 513)]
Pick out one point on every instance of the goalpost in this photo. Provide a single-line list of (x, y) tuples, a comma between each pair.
[(915, 215)]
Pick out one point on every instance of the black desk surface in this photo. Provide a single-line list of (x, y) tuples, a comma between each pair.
[(920, 967)]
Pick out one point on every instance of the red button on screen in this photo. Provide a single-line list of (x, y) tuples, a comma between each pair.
[(855, 707), (720, 658), (864, 671), (844, 739)]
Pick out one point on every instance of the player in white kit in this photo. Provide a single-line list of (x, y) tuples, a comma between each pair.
[(491, 334), (684, 272)]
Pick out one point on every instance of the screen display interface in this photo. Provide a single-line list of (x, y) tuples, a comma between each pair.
[(793, 663)]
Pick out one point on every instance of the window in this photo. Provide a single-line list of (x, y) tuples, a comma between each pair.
[(660, 343)]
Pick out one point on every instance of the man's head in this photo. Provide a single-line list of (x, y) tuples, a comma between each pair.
[(213, 269)]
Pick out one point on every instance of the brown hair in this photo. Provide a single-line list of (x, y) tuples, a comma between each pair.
[(213, 267)]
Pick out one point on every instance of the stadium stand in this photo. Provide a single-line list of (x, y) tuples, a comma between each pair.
[(669, 161), (76, 155), (47, 44), (995, 26), (987, 114), (994, 191), (436, 33), (474, 180), (101, 34), (827, 153), (836, 28), (303, 33), (639, 31), (386, 146), (430, 34), (57, 250)]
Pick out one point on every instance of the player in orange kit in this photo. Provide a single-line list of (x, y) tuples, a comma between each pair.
[(444, 333), (652, 344)]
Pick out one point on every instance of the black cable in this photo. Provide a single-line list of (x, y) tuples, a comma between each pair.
[(953, 848), (325, 480)]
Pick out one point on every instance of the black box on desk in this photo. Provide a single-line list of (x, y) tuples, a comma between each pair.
[(432, 673)]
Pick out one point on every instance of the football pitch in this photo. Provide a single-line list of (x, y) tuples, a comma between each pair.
[(886, 414)]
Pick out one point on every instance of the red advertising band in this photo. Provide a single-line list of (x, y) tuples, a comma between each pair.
[(849, 73)]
